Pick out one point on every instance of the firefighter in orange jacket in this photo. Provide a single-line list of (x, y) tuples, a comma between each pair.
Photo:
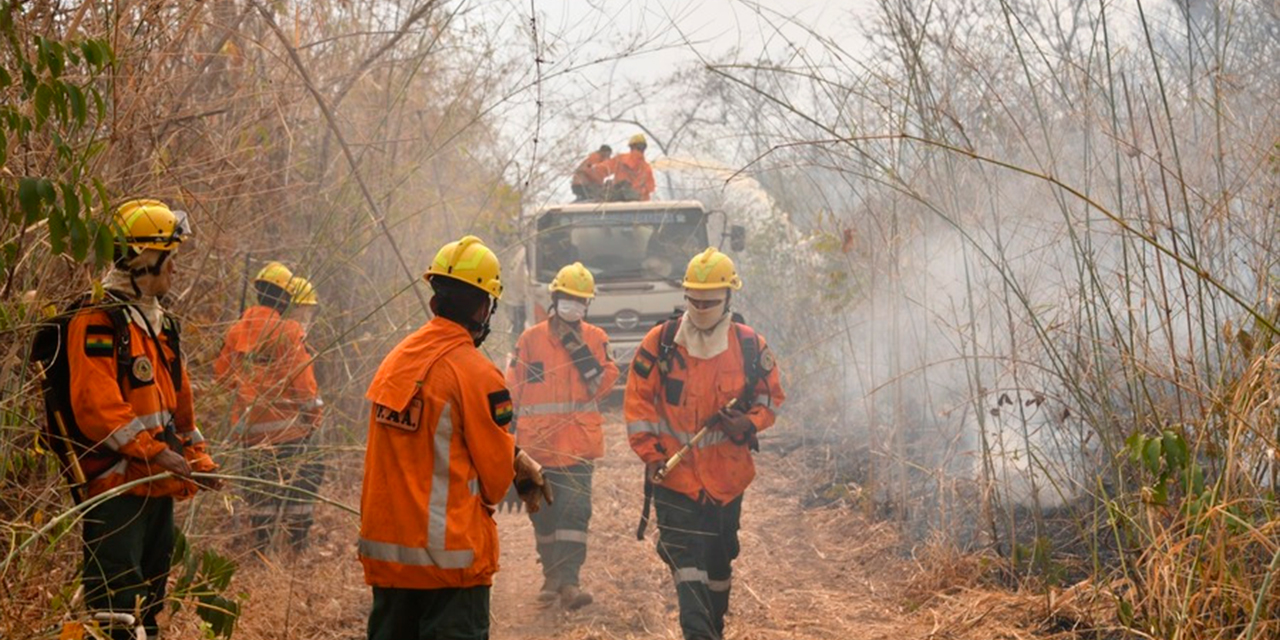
[(142, 419), (438, 458), (277, 407), (684, 376), (562, 369), (586, 184), (632, 175)]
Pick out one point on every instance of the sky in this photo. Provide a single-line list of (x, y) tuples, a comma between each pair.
[(596, 54)]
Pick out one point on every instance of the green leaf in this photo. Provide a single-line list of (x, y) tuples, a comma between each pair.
[(53, 57), (104, 245), (1175, 450), (29, 198), (45, 188), (79, 108), (44, 100), (70, 200), (91, 55), (100, 105), (1133, 444), (29, 79), (78, 231), (5, 78), (57, 231), (1151, 455)]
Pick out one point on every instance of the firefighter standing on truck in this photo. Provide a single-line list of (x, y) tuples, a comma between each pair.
[(277, 407), (632, 175), (586, 185), (130, 395), (562, 369), (683, 378), (438, 458)]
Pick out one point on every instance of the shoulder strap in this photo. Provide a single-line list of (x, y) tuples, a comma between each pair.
[(750, 345), (667, 353), (173, 331), (580, 354), (124, 355)]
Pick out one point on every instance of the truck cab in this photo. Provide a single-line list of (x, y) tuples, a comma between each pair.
[(637, 252)]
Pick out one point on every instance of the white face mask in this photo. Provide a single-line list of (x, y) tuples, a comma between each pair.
[(705, 319), (571, 310)]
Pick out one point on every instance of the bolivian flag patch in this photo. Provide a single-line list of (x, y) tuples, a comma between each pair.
[(99, 341), (501, 408), (643, 363)]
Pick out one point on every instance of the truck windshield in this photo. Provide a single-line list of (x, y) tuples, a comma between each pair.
[(620, 245)]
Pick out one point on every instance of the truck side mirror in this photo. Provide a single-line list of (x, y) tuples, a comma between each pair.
[(737, 237)]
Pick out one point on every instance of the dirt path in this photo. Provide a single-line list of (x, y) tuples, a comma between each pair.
[(802, 574)]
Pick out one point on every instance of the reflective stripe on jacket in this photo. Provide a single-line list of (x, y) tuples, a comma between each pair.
[(438, 457), (558, 419), (267, 364), (630, 167), (131, 422), (663, 416)]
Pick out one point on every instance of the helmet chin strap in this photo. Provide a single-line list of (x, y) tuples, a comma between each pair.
[(153, 270), (482, 328)]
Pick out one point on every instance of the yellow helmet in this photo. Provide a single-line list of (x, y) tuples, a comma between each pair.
[(469, 261), (275, 273), (150, 224), (711, 270), (575, 280), (302, 292), (637, 139)]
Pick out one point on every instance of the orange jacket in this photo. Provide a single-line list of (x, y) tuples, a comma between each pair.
[(131, 422), (438, 457), (629, 167), (661, 419), (267, 365), (585, 173), (559, 421)]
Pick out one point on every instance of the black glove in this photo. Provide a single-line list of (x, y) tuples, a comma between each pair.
[(737, 425)]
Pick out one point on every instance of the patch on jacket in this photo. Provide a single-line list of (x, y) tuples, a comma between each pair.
[(407, 420), (643, 363), (767, 363), (501, 408), (99, 341)]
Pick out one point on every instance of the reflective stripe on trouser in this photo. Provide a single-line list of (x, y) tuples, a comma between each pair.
[(128, 546), (296, 466), (561, 528), (698, 541)]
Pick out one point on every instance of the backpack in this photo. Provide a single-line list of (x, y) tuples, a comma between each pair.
[(81, 458)]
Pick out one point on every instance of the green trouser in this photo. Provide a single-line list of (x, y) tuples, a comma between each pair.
[(429, 614), (128, 547), (561, 528), (295, 465), (698, 539)]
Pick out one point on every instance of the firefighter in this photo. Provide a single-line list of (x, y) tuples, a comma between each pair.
[(586, 185), (684, 376), (632, 175), (438, 458), (277, 407), (562, 369), (130, 394)]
